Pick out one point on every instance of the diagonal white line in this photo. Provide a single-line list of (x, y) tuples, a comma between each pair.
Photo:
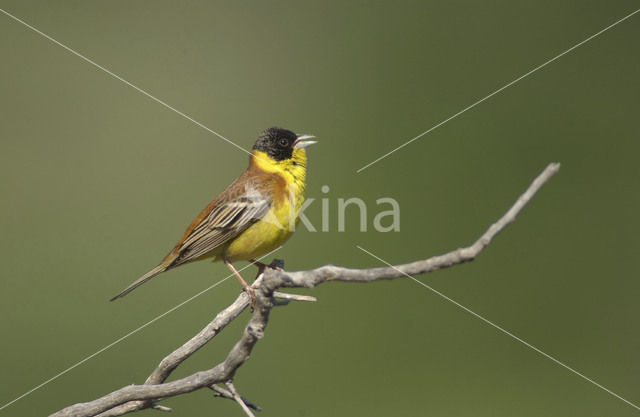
[(546, 355), (496, 92), (172, 309), (157, 100)]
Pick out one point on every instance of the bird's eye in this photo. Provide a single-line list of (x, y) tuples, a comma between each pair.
[(283, 142)]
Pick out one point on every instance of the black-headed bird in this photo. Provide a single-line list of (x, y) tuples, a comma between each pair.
[(254, 215)]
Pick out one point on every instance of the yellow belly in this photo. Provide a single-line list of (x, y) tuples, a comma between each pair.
[(263, 236)]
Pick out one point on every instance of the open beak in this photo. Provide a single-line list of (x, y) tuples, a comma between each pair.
[(302, 141)]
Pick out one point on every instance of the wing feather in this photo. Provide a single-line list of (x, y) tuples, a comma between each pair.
[(226, 220)]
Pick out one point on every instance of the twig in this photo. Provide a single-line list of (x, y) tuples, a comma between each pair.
[(238, 398), (161, 408), (294, 297), (223, 393), (136, 397)]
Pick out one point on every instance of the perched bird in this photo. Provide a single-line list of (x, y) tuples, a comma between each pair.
[(254, 215)]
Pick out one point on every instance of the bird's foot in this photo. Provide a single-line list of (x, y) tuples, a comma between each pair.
[(252, 294), (277, 264)]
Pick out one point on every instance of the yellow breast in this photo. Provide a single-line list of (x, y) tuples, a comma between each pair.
[(281, 220)]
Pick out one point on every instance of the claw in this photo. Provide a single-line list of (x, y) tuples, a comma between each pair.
[(276, 264)]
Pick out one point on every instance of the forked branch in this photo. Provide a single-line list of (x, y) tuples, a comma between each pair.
[(138, 397)]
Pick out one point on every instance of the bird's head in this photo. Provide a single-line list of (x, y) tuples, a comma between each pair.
[(280, 144)]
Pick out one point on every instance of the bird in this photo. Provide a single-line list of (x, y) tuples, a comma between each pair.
[(254, 215)]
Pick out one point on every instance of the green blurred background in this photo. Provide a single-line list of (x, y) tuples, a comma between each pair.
[(98, 182)]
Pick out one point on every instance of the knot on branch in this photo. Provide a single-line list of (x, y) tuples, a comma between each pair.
[(257, 332)]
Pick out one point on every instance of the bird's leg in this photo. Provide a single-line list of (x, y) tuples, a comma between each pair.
[(244, 284)]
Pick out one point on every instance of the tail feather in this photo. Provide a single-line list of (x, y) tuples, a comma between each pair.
[(146, 277)]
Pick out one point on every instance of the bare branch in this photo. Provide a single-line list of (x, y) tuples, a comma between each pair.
[(314, 277), (175, 358), (136, 397)]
